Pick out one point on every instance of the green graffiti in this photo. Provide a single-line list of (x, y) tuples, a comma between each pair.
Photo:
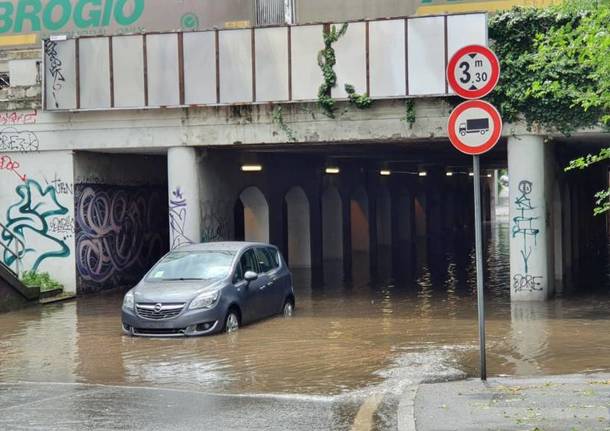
[(55, 15), (29, 220), (189, 21)]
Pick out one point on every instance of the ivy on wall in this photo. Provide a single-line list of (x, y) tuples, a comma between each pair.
[(327, 60), (556, 71), (544, 73), (278, 118)]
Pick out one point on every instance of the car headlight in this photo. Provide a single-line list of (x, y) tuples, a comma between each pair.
[(205, 300), (128, 301)]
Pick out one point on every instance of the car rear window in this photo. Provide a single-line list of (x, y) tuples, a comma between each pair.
[(267, 259), (273, 256)]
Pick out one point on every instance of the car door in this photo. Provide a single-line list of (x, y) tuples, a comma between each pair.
[(250, 293), (267, 273), (279, 279)]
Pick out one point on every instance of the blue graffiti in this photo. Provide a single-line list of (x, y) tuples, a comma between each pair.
[(29, 219), (524, 224)]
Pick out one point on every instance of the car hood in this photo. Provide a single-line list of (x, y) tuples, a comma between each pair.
[(173, 291)]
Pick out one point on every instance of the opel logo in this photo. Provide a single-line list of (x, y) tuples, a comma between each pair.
[(158, 308)]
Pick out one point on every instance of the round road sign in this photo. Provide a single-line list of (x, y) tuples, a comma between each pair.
[(473, 71), (474, 127)]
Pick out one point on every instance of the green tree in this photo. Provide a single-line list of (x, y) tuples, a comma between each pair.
[(556, 70), (586, 48), (580, 46)]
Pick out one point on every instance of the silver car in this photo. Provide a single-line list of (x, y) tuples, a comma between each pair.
[(207, 288)]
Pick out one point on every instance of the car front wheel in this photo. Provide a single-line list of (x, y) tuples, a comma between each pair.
[(231, 322), (288, 309)]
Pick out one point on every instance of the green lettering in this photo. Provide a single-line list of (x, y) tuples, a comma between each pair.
[(32, 15), (92, 19), (64, 14), (5, 16), (107, 12), (119, 12)]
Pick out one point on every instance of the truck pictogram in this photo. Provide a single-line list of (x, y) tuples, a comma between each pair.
[(476, 125)]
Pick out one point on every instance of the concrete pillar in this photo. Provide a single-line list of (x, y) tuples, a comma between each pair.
[(316, 239), (347, 237), (530, 253), (183, 191), (494, 194)]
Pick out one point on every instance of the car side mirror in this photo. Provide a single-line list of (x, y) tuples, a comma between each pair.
[(250, 276)]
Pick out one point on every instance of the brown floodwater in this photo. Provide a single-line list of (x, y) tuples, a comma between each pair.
[(344, 338)]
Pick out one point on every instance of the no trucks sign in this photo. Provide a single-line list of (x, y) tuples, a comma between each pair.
[(474, 127)]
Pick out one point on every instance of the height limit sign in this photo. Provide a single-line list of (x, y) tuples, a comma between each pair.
[(473, 71)]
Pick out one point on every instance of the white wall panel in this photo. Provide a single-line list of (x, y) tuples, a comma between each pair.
[(60, 74), (94, 65), (163, 72), (218, 66), (235, 57), (271, 53), (307, 41), (199, 68), (387, 63), (128, 71), (426, 51), (350, 51), (463, 30)]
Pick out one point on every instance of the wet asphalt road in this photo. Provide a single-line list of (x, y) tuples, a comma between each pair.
[(40, 406)]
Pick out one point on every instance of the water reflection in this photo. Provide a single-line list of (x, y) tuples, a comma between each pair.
[(344, 337)]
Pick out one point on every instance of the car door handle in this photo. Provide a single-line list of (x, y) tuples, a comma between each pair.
[(269, 284)]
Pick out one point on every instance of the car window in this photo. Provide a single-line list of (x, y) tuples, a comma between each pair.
[(273, 257), (197, 265), (248, 262), (239, 273), (265, 261)]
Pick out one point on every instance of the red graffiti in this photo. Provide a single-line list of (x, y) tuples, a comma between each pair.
[(8, 164), (18, 117)]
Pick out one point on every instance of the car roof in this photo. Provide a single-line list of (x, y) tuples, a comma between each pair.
[(222, 245)]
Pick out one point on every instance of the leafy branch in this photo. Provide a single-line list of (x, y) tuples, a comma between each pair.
[(327, 61), (278, 118), (410, 115)]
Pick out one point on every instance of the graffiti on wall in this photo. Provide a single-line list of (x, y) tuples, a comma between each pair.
[(30, 219), (178, 210), (10, 165), (55, 69), (61, 187), (525, 227), (23, 141), (215, 225), (62, 226), (13, 118), (119, 232)]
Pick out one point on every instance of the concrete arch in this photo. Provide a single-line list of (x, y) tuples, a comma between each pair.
[(298, 228), (255, 215), (359, 216), (332, 224), (384, 217)]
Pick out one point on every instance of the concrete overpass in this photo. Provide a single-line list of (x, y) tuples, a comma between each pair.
[(99, 195)]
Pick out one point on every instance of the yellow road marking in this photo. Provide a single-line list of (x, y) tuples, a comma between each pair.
[(364, 417)]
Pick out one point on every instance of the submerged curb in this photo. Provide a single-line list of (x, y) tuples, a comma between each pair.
[(406, 409)]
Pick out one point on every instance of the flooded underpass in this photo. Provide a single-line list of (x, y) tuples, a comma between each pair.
[(357, 337)]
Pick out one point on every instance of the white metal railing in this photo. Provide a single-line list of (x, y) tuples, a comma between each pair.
[(17, 243)]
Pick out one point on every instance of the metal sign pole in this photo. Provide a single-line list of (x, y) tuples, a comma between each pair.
[(478, 237)]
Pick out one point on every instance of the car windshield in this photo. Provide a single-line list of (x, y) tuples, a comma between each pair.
[(193, 265)]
